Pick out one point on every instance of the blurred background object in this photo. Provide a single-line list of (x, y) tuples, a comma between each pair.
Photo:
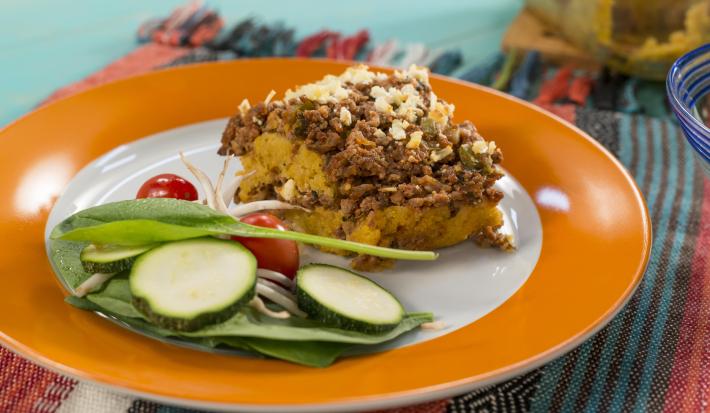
[(47, 44), (688, 87), (636, 37)]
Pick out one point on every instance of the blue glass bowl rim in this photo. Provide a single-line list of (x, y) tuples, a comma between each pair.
[(682, 111)]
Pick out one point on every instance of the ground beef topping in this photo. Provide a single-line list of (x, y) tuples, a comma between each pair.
[(386, 140)]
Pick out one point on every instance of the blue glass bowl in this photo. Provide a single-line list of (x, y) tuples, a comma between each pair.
[(688, 83)]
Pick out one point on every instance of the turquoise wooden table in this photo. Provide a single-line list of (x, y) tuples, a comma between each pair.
[(45, 44)]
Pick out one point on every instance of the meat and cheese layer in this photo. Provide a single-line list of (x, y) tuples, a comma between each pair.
[(376, 158)]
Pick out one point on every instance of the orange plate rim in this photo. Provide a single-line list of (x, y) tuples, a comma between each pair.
[(391, 399)]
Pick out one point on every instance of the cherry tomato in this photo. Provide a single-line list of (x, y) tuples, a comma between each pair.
[(272, 254), (168, 186)]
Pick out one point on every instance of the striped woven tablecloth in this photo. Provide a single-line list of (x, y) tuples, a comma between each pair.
[(654, 356)]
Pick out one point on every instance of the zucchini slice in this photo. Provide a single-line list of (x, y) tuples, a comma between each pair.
[(344, 299), (186, 285), (111, 258)]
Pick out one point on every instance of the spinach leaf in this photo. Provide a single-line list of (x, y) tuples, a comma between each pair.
[(309, 353), (137, 232), (250, 323), (65, 257), (165, 210), (115, 298), (143, 221)]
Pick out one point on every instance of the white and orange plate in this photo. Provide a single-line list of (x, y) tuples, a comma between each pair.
[(579, 221)]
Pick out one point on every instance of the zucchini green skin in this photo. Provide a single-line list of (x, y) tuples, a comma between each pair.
[(108, 267), (330, 317), (93, 262), (203, 319), (182, 324)]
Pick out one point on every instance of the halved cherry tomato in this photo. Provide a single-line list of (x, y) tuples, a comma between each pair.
[(273, 254), (168, 186)]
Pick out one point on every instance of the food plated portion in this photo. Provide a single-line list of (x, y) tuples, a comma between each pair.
[(386, 177), (209, 274), (375, 159), (487, 292)]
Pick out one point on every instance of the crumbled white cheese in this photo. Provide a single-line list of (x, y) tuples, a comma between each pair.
[(345, 116), (397, 96), (410, 110), (419, 72), (405, 103), (479, 147), (330, 89), (340, 94), (397, 129), (441, 113), (432, 100), (491, 147), (379, 133), (408, 89), (288, 190), (414, 72), (415, 138), (407, 100), (436, 156), (410, 107), (244, 107), (377, 92), (361, 74), (269, 97), (381, 105)]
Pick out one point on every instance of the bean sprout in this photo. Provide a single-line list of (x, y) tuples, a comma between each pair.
[(285, 302), (231, 190), (279, 289), (433, 326), (219, 200), (204, 181), (274, 276), (259, 305), (92, 283), (244, 209)]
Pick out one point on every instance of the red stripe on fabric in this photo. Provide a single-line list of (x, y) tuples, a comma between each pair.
[(54, 395), (579, 90), (141, 60), (22, 383), (555, 88), (690, 377), (431, 407), (312, 43)]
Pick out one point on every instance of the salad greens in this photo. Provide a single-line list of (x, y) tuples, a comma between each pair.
[(294, 339), (150, 220), (307, 353), (115, 298), (156, 220)]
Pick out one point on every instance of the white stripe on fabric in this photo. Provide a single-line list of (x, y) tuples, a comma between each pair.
[(90, 398)]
